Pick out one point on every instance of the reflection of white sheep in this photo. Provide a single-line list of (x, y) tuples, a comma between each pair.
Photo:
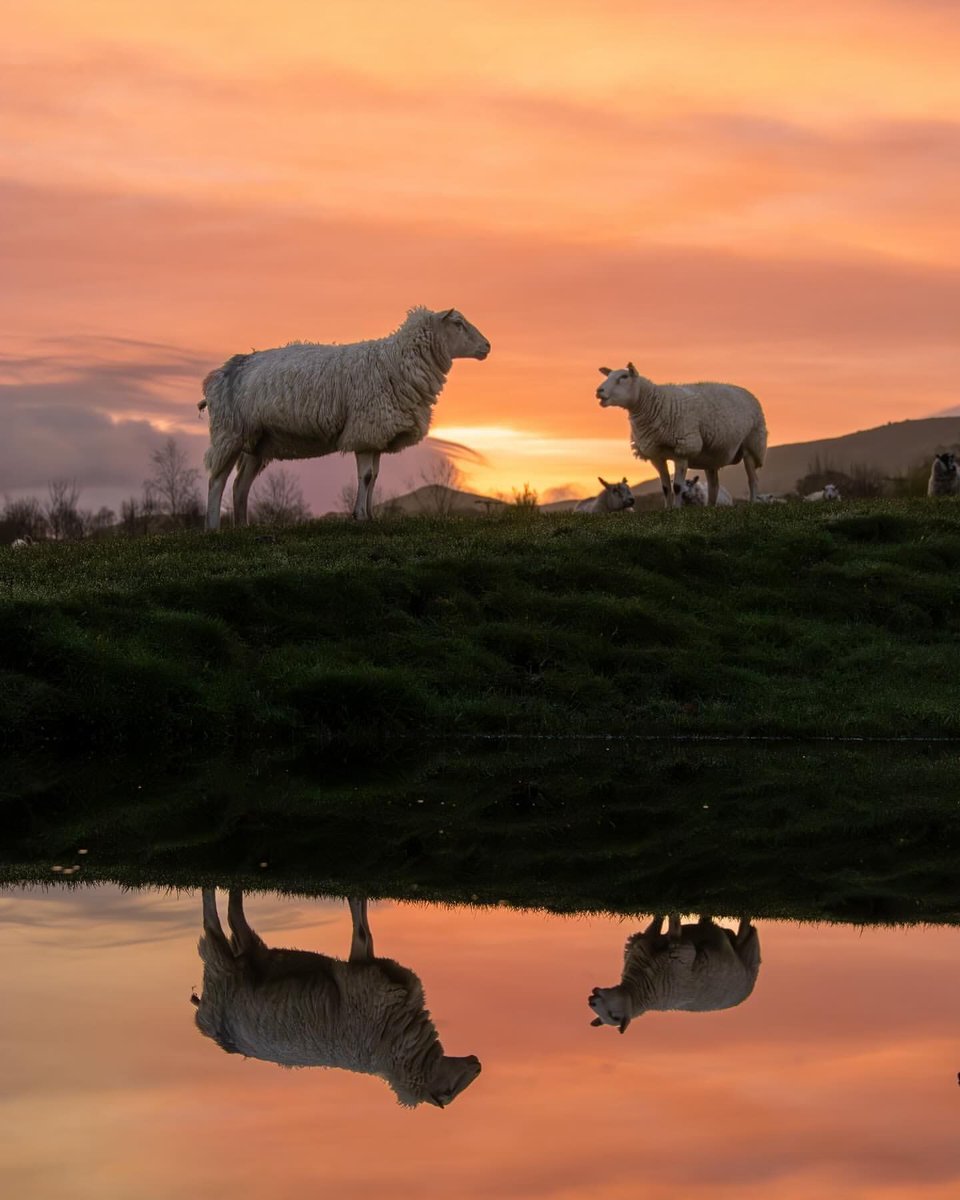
[(615, 497), (694, 968), (830, 492), (301, 1009), (306, 400), (944, 478), (694, 495), (21, 543), (707, 425)]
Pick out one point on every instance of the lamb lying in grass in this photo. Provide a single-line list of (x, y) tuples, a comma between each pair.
[(301, 1009), (694, 495), (944, 478), (21, 543), (830, 492), (615, 497), (693, 968), (707, 425)]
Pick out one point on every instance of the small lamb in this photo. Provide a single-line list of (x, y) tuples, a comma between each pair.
[(707, 425), (944, 478), (301, 1009), (615, 497), (694, 968), (694, 495), (830, 492)]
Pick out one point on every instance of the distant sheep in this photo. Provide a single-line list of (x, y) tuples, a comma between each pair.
[(693, 968), (301, 1009), (306, 400), (694, 495), (830, 492), (770, 498), (615, 497), (944, 478), (21, 543), (707, 425)]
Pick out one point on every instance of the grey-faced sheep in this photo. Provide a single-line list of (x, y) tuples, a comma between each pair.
[(306, 400), (301, 1009), (830, 492), (694, 495), (615, 497), (944, 478), (706, 425), (693, 968)]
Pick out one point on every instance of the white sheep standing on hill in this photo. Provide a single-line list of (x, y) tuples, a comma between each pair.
[(944, 478), (615, 497), (694, 968), (830, 492), (306, 400), (694, 495), (706, 425), (301, 1009)]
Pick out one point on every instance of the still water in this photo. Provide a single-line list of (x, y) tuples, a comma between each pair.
[(835, 1077)]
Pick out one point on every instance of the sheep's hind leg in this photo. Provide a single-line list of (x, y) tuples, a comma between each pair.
[(751, 468), (713, 485), (250, 467), (679, 476), (375, 469), (361, 944), (211, 920), (218, 481), (366, 474)]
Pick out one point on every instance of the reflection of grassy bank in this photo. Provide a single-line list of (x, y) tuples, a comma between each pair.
[(785, 620), (807, 832)]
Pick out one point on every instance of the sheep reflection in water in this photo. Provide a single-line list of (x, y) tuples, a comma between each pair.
[(302, 1009), (695, 968)]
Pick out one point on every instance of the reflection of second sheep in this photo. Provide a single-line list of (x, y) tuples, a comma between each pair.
[(691, 968), (302, 1009)]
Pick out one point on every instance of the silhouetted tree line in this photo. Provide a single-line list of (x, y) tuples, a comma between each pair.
[(170, 499)]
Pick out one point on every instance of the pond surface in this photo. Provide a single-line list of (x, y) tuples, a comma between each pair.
[(835, 1077)]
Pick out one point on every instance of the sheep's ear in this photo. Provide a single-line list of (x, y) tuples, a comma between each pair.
[(604, 370), (624, 1023), (603, 482), (632, 370), (595, 1022), (445, 316), (434, 1099), (624, 480)]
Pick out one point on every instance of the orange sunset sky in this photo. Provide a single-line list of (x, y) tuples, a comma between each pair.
[(756, 192)]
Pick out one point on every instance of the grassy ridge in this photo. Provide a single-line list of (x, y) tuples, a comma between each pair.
[(781, 620), (809, 832)]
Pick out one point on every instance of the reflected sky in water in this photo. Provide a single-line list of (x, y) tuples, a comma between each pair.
[(836, 1077)]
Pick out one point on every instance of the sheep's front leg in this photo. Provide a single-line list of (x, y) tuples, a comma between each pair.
[(365, 478), (361, 944), (211, 921), (375, 469), (664, 472), (713, 485), (679, 476)]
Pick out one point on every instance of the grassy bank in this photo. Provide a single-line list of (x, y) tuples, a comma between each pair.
[(809, 832), (792, 621)]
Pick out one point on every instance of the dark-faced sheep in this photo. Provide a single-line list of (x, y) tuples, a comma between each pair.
[(306, 400), (944, 477)]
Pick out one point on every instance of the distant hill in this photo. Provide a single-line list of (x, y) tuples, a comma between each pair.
[(433, 499)]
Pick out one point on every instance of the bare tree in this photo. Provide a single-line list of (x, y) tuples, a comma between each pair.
[(348, 498), (173, 483), (60, 510), (440, 481), (22, 518), (96, 524), (279, 500)]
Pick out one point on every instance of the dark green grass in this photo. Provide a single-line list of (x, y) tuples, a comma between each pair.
[(808, 832), (783, 620)]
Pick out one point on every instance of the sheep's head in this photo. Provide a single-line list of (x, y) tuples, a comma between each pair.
[(691, 492), (619, 495), (461, 339), (450, 1077), (945, 465), (620, 389), (612, 1007), (831, 492)]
